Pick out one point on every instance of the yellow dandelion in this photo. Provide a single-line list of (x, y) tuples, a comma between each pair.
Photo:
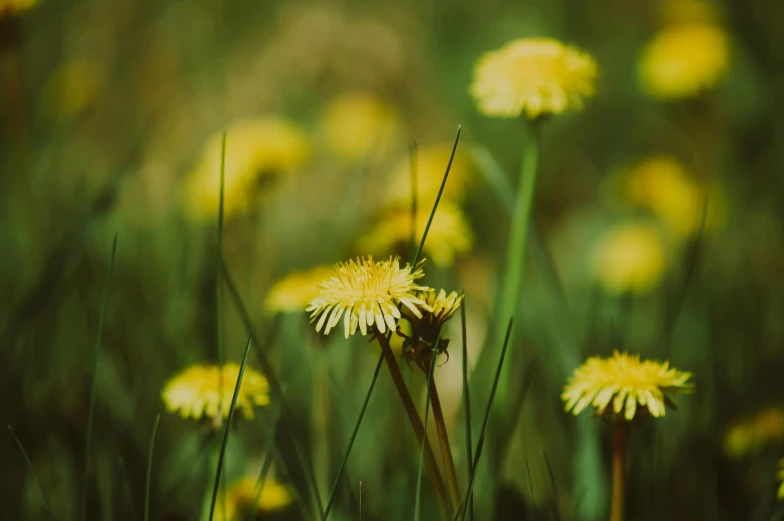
[(780, 476), (13, 7), (438, 308), (295, 291), (425, 340), (449, 233), (630, 384), (629, 258), (663, 185), (684, 60), (357, 126), (255, 150), (533, 77), (241, 495), (203, 390), (431, 163), (749, 435), (364, 293)]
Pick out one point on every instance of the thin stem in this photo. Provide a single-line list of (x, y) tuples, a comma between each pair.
[(467, 399), (443, 442), (430, 389), (619, 473), (416, 424), (516, 245), (148, 483)]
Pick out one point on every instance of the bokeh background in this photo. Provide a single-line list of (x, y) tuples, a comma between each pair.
[(112, 115)]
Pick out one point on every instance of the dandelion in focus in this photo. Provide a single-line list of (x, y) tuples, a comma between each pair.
[(207, 391), (449, 233), (241, 495), (295, 291), (683, 60), (629, 258), (533, 77), (662, 185), (256, 150), (431, 163), (426, 339), (357, 126), (765, 428), (630, 385), (364, 293)]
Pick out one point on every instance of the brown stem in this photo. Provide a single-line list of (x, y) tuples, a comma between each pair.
[(619, 472), (443, 442), (416, 423)]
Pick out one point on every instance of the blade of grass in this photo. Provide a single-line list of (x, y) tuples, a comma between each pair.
[(530, 503), (96, 349), (467, 400), (226, 431), (556, 514), (287, 418), (32, 472), (418, 498), (486, 420), (218, 314), (353, 437), (148, 482)]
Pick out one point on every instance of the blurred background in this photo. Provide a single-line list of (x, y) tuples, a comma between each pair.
[(658, 223)]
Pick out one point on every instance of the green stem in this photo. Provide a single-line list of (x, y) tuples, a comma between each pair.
[(416, 424), (518, 237), (619, 473)]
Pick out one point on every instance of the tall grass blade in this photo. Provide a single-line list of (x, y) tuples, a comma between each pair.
[(32, 471), (486, 420), (232, 407), (353, 437), (467, 400), (418, 499), (96, 349), (148, 483), (287, 418), (218, 285)]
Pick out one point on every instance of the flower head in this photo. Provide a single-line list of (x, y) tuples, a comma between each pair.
[(629, 258), (255, 150), (296, 290), (438, 308), (356, 126), (241, 495), (683, 60), (206, 390), (365, 292), (533, 77), (426, 341), (764, 428), (449, 233), (628, 383), (431, 163)]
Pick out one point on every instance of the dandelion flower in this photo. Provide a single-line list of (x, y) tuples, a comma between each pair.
[(438, 308), (533, 77), (426, 341), (13, 7), (295, 291), (255, 150), (684, 60), (204, 390), (662, 185), (365, 292), (241, 495), (629, 384), (766, 427), (629, 258), (356, 126), (449, 233)]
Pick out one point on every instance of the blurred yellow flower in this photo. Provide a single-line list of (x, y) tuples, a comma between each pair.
[(203, 390), (662, 185), (255, 149), (751, 434), (780, 476), (365, 292), (629, 258), (533, 77), (631, 386), (241, 495), (12, 7), (72, 88), (431, 163), (359, 126), (449, 233), (293, 292), (683, 60)]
